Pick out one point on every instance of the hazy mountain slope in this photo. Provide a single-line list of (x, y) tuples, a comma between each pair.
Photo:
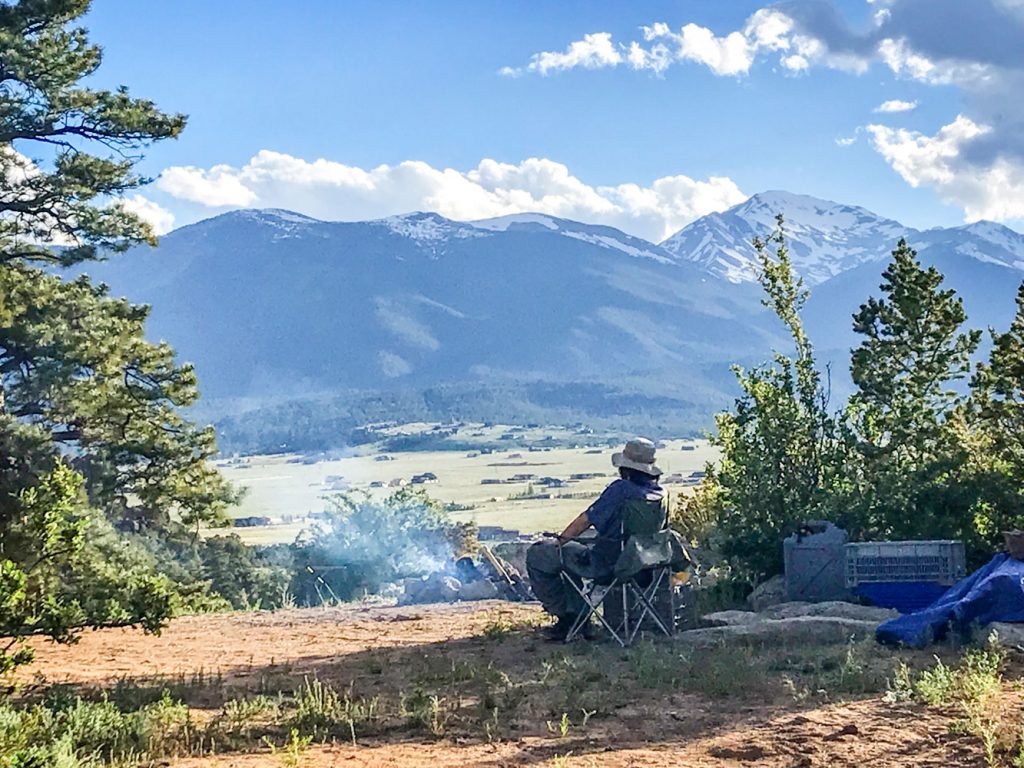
[(274, 305), (270, 303)]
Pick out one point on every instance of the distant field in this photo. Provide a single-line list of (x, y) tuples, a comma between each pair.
[(280, 486)]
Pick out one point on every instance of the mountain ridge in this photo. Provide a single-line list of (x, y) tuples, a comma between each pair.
[(272, 305)]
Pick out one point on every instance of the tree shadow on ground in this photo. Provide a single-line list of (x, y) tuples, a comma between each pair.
[(538, 700)]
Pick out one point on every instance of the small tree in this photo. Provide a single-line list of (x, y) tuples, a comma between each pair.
[(782, 451), (911, 453)]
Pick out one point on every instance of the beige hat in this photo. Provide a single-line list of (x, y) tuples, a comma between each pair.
[(638, 454)]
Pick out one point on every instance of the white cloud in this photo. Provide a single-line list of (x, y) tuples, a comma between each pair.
[(330, 190), (846, 141), (729, 55), (160, 219), (594, 51), (896, 105), (991, 191), (214, 187), (904, 60)]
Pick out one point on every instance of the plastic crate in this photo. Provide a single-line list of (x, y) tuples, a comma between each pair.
[(938, 562)]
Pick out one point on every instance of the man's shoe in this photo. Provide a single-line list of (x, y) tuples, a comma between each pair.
[(557, 632)]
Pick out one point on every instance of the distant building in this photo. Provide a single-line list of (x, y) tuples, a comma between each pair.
[(382, 457), (398, 482), (426, 477), (522, 478), (251, 522), (377, 484), (490, 481), (585, 475)]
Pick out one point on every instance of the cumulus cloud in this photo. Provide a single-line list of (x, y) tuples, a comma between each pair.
[(160, 219), (731, 54), (846, 141), (594, 51), (991, 191), (896, 105), (213, 187), (331, 190), (912, 39)]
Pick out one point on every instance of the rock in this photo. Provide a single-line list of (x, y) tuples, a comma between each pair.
[(832, 609), (1011, 635), (435, 588), (836, 609), (799, 629), (513, 553), (484, 589), (731, 618), (768, 593)]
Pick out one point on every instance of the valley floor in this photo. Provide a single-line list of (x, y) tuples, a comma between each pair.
[(473, 685)]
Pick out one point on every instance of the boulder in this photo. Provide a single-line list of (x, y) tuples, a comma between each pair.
[(768, 593), (435, 588), (833, 609), (484, 589), (799, 629), (1008, 634)]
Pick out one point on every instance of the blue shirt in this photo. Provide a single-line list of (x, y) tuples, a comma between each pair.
[(605, 514)]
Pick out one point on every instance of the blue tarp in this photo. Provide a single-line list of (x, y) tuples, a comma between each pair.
[(994, 592)]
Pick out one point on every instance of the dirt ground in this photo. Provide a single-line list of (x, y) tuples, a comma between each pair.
[(498, 692)]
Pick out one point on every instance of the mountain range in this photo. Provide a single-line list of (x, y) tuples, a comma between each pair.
[(274, 306)]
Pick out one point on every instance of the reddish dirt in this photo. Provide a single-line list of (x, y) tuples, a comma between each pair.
[(375, 650)]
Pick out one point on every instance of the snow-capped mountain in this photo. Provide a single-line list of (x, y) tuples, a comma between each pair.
[(824, 238), (270, 302), (984, 240)]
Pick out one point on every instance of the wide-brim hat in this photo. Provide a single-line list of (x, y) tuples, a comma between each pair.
[(639, 455)]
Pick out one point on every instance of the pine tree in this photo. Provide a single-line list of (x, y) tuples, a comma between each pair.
[(79, 385), (912, 353), (997, 408)]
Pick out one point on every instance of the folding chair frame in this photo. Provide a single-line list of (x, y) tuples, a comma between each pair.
[(626, 587)]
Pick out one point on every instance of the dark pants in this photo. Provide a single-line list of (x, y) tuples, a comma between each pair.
[(545, 562)]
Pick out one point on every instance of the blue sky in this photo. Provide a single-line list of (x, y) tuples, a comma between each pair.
[(271, 88)]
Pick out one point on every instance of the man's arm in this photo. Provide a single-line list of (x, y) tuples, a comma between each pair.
[(576, 527)]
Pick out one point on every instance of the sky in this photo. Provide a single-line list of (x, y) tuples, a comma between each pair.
[(639, 115)]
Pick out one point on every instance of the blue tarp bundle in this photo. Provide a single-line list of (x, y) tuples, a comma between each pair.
[(994, 592)]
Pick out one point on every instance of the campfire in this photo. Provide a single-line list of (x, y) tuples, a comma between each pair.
[(486, 577)]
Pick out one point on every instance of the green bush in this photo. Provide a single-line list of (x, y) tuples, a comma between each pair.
[(86, 733)]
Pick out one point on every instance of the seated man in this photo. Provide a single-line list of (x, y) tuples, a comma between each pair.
[(545, 560)]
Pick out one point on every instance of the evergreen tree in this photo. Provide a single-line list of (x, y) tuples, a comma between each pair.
[(997, 408), (782, 451), (911, 452), (79, 385)]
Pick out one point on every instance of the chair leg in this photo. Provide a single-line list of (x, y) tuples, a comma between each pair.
[(644, 596), (590, 609)]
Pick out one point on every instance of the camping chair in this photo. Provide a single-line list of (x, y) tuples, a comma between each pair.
[(648, 550)]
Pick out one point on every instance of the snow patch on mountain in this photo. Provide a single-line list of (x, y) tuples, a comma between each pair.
[(605, 237), (427, 227), (502, 223)]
